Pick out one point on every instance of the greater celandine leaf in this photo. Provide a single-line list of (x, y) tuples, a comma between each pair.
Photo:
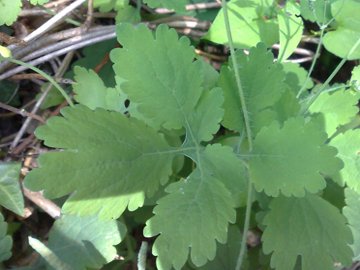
[(10, 192), (309, 227), (347, 29), (249, 23), (5, 241), (162, 81), (259, 93), (91, 92), (177, 5), (108, 162), (316, 11), (337, 108), (292, 159), (290, 29), (85, 242), (348, 146), (352, 213), (355, 78), (196, 212), (9, 11)]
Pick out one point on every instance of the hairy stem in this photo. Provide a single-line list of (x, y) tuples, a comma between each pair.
[(247, 130)]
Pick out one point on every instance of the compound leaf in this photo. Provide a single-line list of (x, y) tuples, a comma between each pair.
[(111, 161), (296, 147), (5, 241), (259, 94), (10, 193), (352, 213), (91, 92), (346, 14), (316, 11), (9, 10), (337, 108), (250, 21), (162, 81), (348, 146), (309, 227), (295, 76)]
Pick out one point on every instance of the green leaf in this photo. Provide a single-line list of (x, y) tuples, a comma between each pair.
[(198, 209), (10, 193), (5, 241), (226, 254), (290, 29), (38, 2), (309, 227), (177, 5), (250, 21), (128, 14), (260, 94), (346, 14), (348, 146), (111, 161), (337, 108), (316, 11), (292, 159), (9, 10), (352, 213), (91, 92), (161, 79), (296, 76), (82, 248), (107, 5)]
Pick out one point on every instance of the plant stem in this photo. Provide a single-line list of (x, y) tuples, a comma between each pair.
[(42, 73), (248, 133), (246, 228), (237, 76), (141, 263), (317, 53)]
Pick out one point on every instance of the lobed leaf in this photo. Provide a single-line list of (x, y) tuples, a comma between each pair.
[(337, 108), (348, 146), (309, 227), (292, 159), (177, 5), (108, 161), (9, 10), (316, 11), (91, 92), (259, 93), (161, 79), (10, 192)]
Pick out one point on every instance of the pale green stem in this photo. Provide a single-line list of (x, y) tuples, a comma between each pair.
[(248, 133), (317, 53), (141, 263), (46, 76), (237, 76)]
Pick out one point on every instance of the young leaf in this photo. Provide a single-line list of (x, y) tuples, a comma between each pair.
[(346, 14), (337, 108), (5, 241), (111, 161), (296, 147), (248, 23), (309, 227), (352, 213), (290, 29), (197, 210), (9, 11), (10, 193), (91, 92), (161, 78), (348, 146), (259, 93)]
